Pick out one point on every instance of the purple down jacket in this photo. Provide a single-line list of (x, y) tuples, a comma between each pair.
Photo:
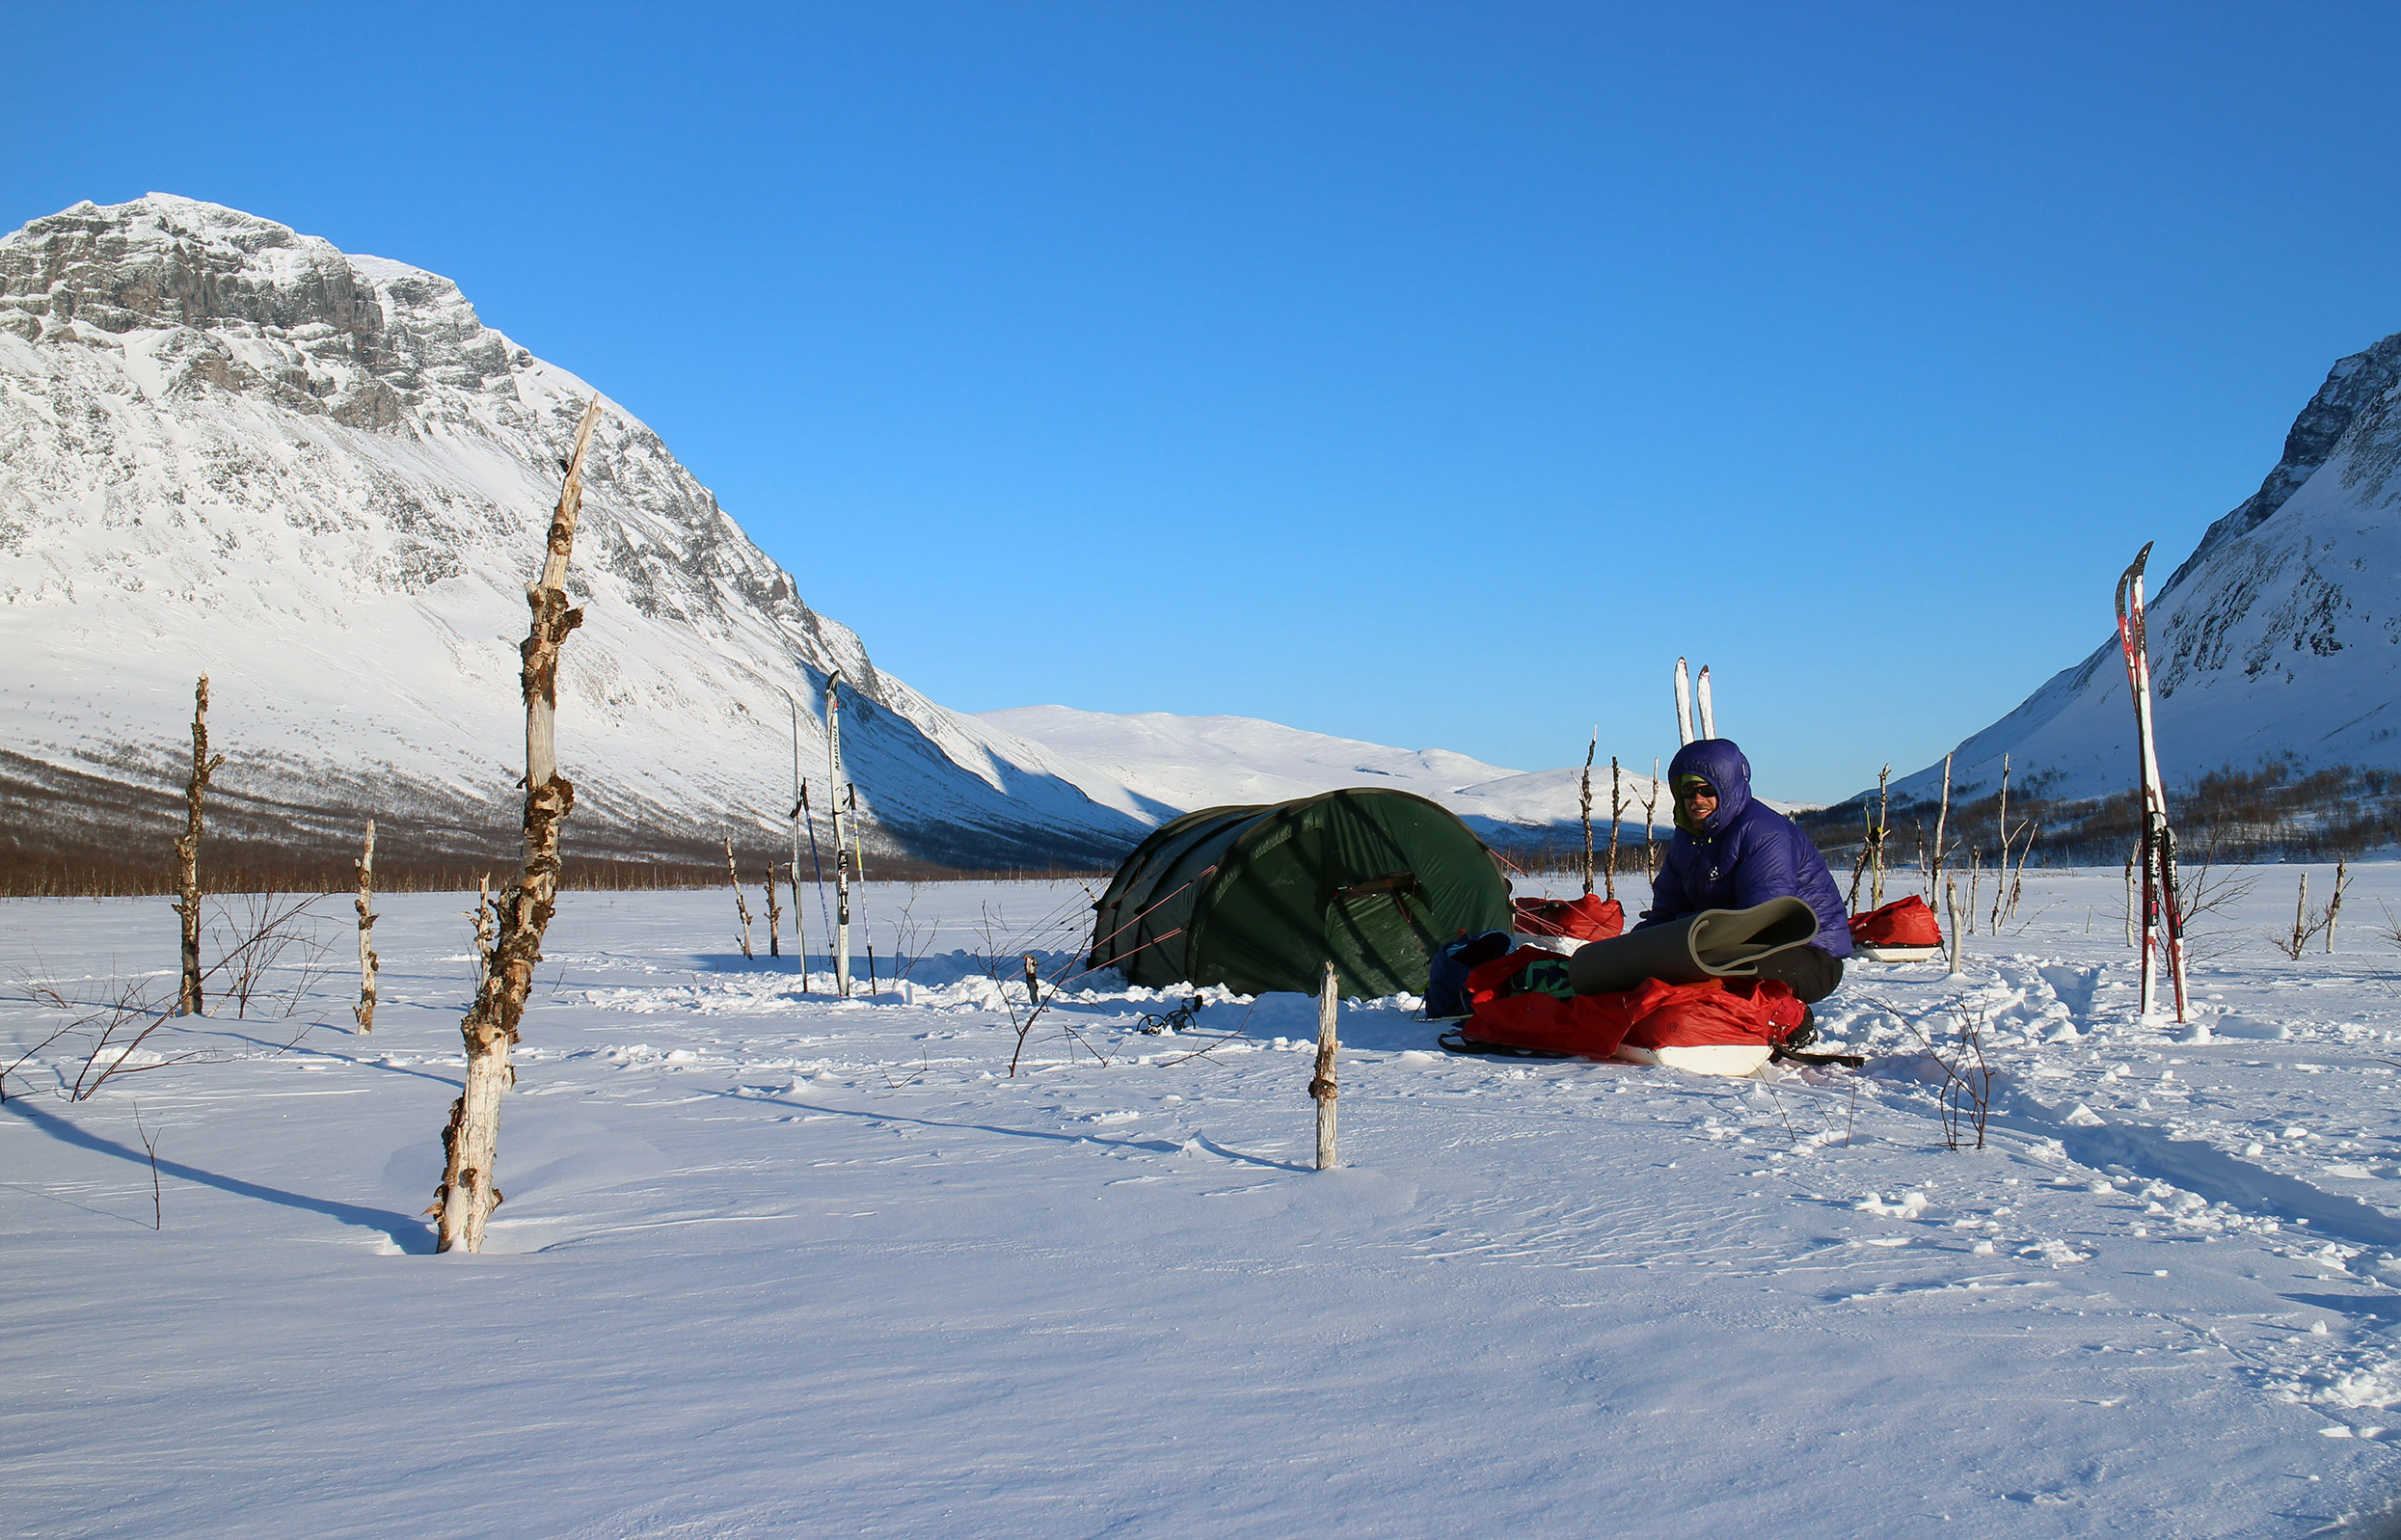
[(1746, 853)]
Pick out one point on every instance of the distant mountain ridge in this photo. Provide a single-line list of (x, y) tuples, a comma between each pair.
[(322, 479), (1184, 763), (227, 446), (2277, 643)]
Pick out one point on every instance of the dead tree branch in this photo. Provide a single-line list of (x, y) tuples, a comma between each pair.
[(741, 906), (187, 851), (470, 1143), (369, 963)]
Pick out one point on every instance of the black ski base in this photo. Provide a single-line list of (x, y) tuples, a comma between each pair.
[(1456, 1041)]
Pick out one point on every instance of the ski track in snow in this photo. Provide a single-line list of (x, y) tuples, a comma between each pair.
[(773, 1263)]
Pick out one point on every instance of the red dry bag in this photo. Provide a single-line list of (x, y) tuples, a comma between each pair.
[(1906, 922), (1590, 918)]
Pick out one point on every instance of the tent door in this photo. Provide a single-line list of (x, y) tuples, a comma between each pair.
[(1377, 931)]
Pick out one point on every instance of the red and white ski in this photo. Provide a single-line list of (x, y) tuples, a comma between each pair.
[(2163, 919)]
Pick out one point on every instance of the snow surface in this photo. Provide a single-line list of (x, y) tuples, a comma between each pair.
[(777, 1265)]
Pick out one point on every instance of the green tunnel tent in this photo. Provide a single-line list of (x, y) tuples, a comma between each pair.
[(1261, 898)]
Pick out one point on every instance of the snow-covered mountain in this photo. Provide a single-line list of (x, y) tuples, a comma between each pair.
[(322, 479), (1176, 764), (2278, 639)]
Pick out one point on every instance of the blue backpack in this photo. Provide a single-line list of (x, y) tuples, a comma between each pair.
[(1447, 970)]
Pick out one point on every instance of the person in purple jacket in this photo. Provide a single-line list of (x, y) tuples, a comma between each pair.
[(1729, 852)]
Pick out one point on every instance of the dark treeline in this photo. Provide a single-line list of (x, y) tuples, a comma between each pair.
[(65, 878), (2267, 814), (70, 833), (1556, 855)]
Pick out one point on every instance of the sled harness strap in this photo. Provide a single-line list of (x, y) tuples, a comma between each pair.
[(1848, 1061)]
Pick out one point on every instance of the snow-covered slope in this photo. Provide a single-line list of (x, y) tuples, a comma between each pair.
[(227, 446), (1178, 764), (2278, 639)]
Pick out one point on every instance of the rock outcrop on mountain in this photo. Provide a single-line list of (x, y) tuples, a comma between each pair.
[(2276, 644), (319, 477)]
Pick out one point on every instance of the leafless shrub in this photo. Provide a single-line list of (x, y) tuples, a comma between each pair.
[(149, 1147), (108, 1029), (2020, 925), (1965, 1091), (262, 933), (1003, 957), (121, 1022), (2207, 893), (2207, 888), (40, 995), (911, 938)]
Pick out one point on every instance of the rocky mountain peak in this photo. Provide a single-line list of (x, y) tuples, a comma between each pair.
[(244, 304), (2361, 383), (227, 445)]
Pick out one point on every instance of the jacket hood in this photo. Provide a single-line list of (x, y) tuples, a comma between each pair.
[(1720, 762)]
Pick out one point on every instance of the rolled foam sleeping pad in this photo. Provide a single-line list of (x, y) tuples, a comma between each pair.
[(1714, 944)]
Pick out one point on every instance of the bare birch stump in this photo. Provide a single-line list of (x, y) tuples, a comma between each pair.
[(1875, 840), (741, 906), (1321, 1086), (369, 963), (1934, 873), (187, 851), (1584, 801), (1951, 911), (1650, 819), (1617, 811), (1992, 926), (774, 915), (470, 1144)]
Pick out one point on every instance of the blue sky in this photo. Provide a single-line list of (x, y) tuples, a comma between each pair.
[(1432, 374)]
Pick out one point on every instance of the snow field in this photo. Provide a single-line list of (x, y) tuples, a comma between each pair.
[(772, 1263)]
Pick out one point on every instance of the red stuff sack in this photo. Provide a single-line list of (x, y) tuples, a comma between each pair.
[(1906, 922), (1514, 1005), (1590, 918), (1713, 1011), (1524, 1001)]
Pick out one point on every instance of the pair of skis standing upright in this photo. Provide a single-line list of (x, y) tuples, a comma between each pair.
[(2163, 913), (1684, 704), (844, 798)]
